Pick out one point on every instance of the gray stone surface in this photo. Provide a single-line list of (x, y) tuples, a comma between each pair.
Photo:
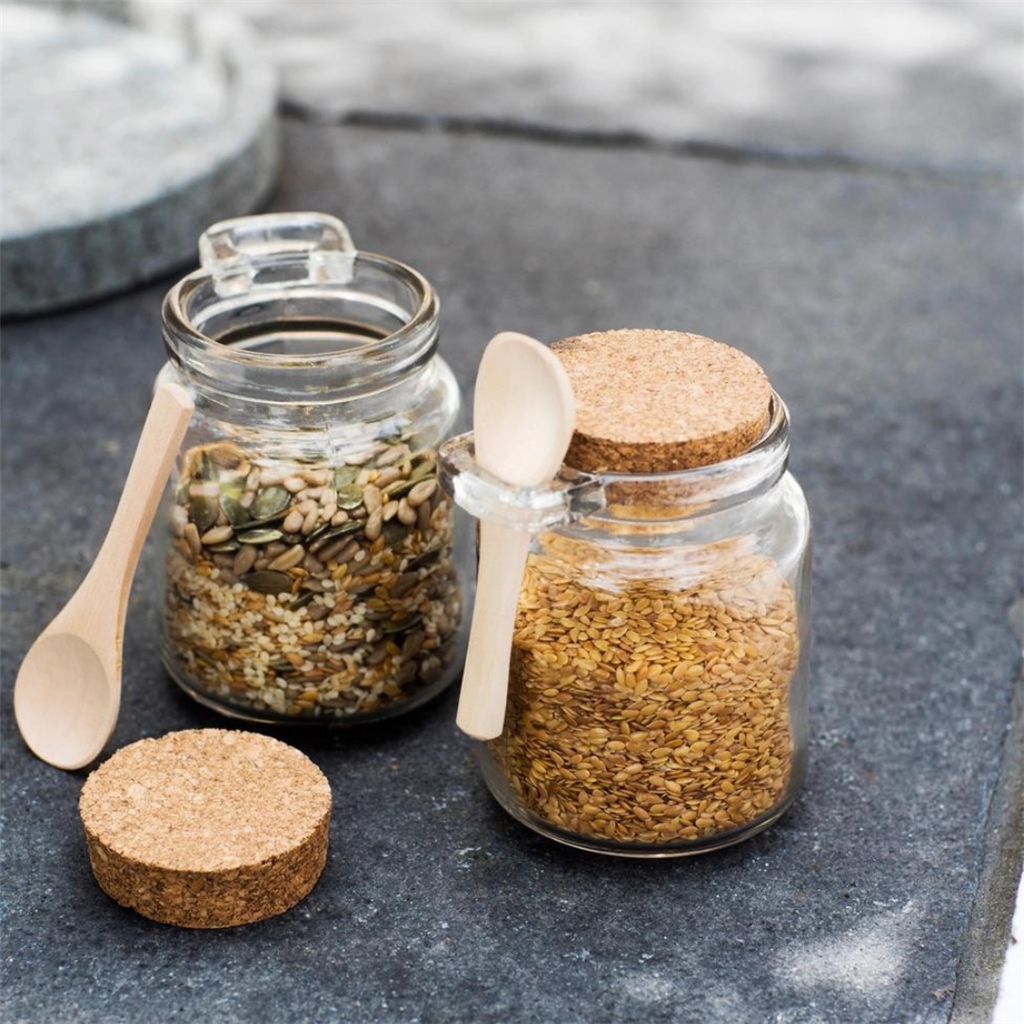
[(888, 314), (127, 129), (933, 83)]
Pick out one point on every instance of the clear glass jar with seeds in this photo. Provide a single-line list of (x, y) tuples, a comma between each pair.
[(658, 677), (313, 570)]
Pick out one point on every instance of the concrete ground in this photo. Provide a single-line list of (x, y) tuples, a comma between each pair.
[(836, 193)]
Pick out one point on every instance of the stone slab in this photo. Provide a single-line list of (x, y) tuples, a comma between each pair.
[(888, 314), (127, 129), (921, 82)]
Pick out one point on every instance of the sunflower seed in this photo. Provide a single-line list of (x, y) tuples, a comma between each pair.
[(394, 454), (421, 492), (373, 525), (191, 535), (388, 476), (371, 497), (318, 612), (217, 535), (244, 560), (406, 513), (268, 582), (289, 559), (412, 644)]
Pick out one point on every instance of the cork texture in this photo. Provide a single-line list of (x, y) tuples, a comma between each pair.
[(207, 828), (650, 401)]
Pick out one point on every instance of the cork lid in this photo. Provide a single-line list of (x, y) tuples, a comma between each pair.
[(650, 401), (207, 828)]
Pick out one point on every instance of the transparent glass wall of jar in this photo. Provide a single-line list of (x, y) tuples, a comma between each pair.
[(312, 570), (658, 683)]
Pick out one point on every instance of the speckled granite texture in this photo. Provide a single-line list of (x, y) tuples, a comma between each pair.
[(887, 312), (128, 128)]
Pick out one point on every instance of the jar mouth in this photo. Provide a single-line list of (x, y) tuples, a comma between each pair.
[(290, 337), (620, 500)]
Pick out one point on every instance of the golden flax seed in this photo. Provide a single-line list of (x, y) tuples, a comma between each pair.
[(699, 710)]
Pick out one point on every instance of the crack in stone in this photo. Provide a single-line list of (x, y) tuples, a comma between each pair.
[(628, 138)]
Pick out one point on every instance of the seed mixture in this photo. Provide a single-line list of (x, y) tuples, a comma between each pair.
[(655, 711), (312, 590)]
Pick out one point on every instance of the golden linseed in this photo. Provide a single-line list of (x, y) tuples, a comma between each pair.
[(656, 711)]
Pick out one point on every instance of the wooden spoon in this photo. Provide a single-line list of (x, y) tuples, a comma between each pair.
[(523, 416), (68, 690)]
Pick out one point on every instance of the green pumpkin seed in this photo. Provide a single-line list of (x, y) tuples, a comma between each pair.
[(350, 496), (260, 536), (270, 502), (237, 515), (224, 549), (259, 524), (302, 600), (340, 531), (232, 487), (319, 532), (423, 470), (344, 475), (267, 581), (203, 511)]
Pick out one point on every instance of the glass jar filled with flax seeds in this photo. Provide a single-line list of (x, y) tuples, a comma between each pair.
[(312, 571), (658, 677)]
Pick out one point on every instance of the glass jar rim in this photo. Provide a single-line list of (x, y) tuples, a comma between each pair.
[(360, 368), (180, 323)]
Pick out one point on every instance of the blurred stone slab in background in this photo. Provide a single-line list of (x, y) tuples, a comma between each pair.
[(127, 129), (918, 83)]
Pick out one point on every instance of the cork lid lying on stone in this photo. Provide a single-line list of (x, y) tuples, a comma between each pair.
[(207, 828), (651, 401)]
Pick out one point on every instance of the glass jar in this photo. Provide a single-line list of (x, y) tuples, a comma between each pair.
[(312, 571), (658, 680)]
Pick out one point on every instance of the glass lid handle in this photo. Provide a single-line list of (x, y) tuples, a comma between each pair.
[(232, 251)]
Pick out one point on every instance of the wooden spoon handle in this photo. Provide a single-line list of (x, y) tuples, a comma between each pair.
[(503, 553), (162, 432)]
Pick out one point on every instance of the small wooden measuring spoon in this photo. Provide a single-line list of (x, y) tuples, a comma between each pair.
[(68, 690), (523, 417)]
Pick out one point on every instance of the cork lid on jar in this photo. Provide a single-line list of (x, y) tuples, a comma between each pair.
[(650, 401), (207, 828)]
